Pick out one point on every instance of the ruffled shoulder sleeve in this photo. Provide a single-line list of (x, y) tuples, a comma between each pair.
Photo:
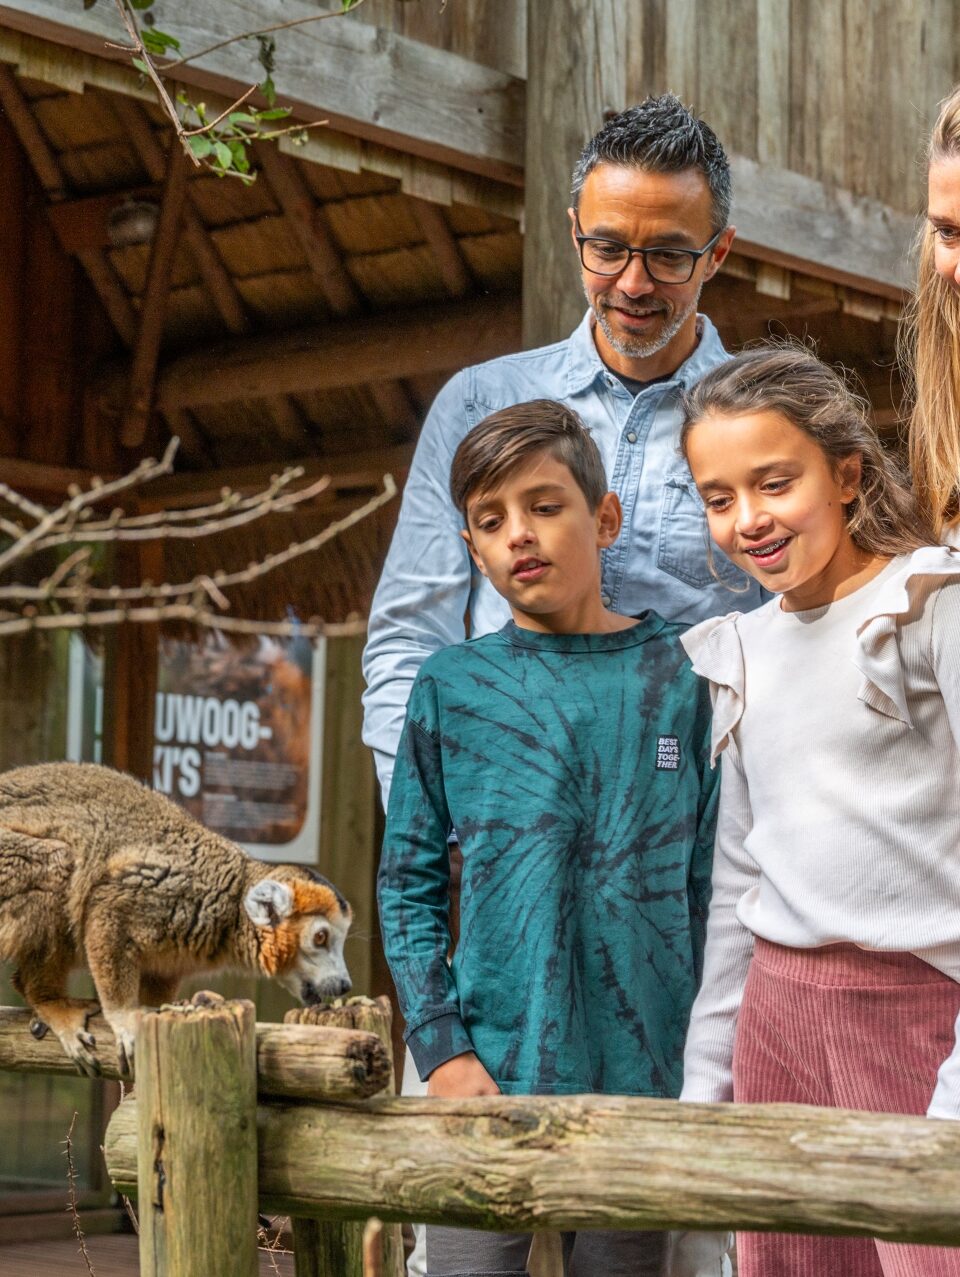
[(716, 653), (877, 655)]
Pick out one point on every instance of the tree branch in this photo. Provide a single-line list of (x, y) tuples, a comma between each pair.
[(251, 35)]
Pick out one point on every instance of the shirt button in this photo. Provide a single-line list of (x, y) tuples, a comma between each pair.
[(631, 437), (605, 600)]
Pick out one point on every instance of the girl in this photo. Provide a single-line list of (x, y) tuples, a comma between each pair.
[(930, 345), (833, 946)]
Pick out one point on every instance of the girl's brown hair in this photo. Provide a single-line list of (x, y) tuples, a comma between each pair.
[(883, 517), (929, 342)]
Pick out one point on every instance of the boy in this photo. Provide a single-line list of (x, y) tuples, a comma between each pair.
[(569, 751)]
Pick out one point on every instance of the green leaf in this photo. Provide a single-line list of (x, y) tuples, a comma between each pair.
[(224, 154), (269, 90), (155, 41), (277, 113), (347, 5), (239, 152), (201, 146), (141, 66), (241, 117), (141, 4)]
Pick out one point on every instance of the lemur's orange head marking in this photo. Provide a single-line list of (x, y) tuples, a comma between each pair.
[(301, 926)]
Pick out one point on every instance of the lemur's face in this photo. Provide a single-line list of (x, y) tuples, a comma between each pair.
[(302, 926)]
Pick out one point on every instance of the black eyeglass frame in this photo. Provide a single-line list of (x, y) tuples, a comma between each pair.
[(693, 253)]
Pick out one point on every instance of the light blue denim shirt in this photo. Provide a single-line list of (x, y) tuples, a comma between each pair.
[(660, 561)]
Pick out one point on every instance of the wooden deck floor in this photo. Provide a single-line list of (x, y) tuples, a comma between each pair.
[(110, 1256)]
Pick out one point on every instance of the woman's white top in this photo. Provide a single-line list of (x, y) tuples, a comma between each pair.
[(840, 798)]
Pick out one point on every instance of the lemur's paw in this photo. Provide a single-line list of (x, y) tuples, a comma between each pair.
[(125, 1053), (79, 1046)]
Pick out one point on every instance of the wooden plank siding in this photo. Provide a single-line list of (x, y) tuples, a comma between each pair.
[(839, 95)]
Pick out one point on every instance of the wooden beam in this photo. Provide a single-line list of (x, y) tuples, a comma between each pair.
[(787, 219), (352, 352), (309, 226), (44, 481), (83, 224), (153, 309), (348, 472), (102, 276), (457, 278), (288, 423), (367, 81), (218, 280), (571, 83), (41, 156)]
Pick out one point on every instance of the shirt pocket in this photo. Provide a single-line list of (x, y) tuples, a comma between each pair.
[(685, 549)]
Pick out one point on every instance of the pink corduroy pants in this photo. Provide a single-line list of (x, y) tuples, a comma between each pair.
[(846, 1028)]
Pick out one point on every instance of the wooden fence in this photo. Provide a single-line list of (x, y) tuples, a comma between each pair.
[(230, 1115)]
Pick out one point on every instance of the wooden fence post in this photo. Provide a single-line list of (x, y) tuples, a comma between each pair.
[(335, 1249), (197, 1140)]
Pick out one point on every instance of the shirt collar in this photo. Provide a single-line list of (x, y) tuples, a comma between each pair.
[(584, 365)]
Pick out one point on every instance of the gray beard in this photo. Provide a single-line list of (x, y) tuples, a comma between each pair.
[(640, 347)]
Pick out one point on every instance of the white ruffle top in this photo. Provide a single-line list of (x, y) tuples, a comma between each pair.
[(840, 802)]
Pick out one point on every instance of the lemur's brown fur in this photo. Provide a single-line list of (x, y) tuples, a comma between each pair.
[(96, 868)]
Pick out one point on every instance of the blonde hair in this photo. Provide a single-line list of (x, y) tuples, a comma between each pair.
[(785, 377), (929, 343)]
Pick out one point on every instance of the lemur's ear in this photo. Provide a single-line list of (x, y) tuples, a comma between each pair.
[(268, 902)]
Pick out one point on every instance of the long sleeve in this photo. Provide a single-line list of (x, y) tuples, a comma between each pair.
[(413, 891), (701, 860), (423, 594), (945, 659), (708, 1057)]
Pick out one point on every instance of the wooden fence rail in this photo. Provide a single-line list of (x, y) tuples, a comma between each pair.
[(601, 1162), (497, 1163), (293, 1060)]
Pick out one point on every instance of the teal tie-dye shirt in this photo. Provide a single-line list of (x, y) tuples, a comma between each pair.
[(574, 770)]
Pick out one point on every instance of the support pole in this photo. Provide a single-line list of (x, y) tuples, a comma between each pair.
[(576, 74), (197, 1140), (336, 1249)]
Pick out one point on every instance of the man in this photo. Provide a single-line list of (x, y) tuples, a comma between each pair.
[(651, 198), (651, 201)]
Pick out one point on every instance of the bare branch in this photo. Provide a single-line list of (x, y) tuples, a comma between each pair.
[(251, 35), (72, 1201), (130, 22), (206, 128), (96, 606), (120, 530)]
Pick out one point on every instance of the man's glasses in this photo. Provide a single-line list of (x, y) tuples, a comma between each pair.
[(663, 265)]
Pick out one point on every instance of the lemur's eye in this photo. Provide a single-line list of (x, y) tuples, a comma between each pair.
[(321, 940)]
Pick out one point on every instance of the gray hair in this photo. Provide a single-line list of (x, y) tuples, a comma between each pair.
[(660, 135)]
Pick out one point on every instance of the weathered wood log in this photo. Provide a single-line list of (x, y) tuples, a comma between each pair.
[(406, 343), (603, 1162), (293, 1060), (336, 1248), (197, 1140)]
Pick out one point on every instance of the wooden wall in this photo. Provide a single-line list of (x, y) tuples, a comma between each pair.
[(843, 92), (491, 32)]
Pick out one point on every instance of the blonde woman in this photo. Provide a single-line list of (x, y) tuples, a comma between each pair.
[(931, 334)]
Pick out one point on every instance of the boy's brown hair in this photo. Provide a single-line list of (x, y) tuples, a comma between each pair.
[(505, 440)]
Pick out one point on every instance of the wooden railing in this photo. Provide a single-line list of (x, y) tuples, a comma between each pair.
[(230, 1116)]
